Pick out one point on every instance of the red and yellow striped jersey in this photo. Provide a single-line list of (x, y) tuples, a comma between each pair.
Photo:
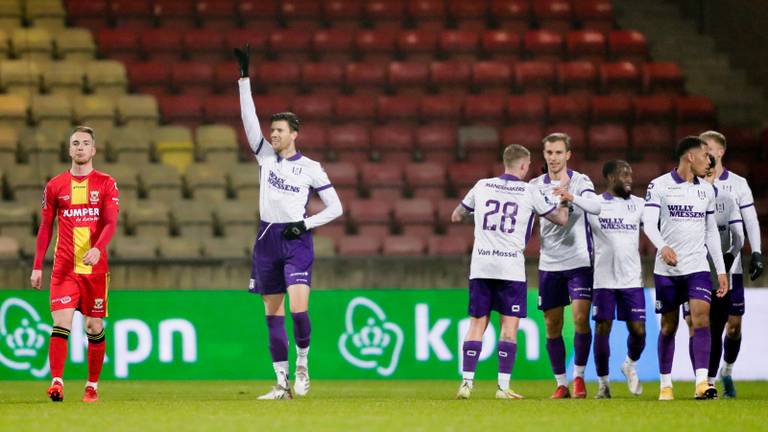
[(86, 208)]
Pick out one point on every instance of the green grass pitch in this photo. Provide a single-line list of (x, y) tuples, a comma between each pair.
[(140, 406)]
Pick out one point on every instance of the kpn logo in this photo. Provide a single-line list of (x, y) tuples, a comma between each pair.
[(23, 346), (370, 341)]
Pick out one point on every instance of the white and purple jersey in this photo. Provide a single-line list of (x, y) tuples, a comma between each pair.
[(726, 214), (737, 186), (616, 233), (568, 246), (683, 210), (503, 211)]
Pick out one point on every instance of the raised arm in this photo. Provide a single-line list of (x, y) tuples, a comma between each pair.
[(259, 146)]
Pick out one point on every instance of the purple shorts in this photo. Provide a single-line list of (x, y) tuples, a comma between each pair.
[(733, 302), (673, 291), (559, 288), (626, 304), (279, 263), (505, 297)]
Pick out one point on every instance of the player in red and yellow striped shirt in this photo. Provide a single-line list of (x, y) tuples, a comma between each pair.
[(85, 202)]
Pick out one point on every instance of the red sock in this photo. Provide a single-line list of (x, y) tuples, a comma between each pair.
[(57, 352), (96, 347)]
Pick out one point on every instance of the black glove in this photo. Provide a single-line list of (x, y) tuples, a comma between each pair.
[(756, 267), (244, 59), (294, 230), (729, 259)]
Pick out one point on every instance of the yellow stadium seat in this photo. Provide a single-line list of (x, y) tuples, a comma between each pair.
[(206, 182), (11, 12), (238, 219), (41, 147), (126, 179), (75, 44), (149, 219), (21, 77), (48, 14), (161, 183), (9, 146), (227, 247), (16, 220), (180, 247), (9, 247), (130, 146), (138, 111), (244, 179), (174, 147), (133, 247), (192, 218), (217, 144), (13, 111), (106, 77), (32, 44), (97, 112), (52, 112), (5, 47), (26, 184), (65, 78)]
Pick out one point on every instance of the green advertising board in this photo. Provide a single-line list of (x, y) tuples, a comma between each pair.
[(356, 334)]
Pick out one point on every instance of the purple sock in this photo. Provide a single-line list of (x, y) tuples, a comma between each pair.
[(602, 350), (635, 346), (581, 343), (556, 350), (507, 352), (731, 349), (690, 353), (301, 329), (702, 343), (471, 351), (278, 338), (714, 355), (666, 349)]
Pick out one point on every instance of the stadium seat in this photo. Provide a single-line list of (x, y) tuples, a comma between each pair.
[(384, 14), (543, 45), (427, 179), (135, 15), (161, 185), (322, 78), (535, 77), (355, 108), (408, 77), (692, 109), (333, 45), (654, 108), (594, 14), (238, 219), (427, 15), (447, 246), (301, 14), (593, 170), (485, 109), (589, 45), (290, 45), (359, 246), (555, 15), (279, 78), (48, 14), (192, 219), (106, 77), (52, 112), (90, 14), (342, 14), (479, 143), (180, 248), (231, 247), (217, 14), (126, 178), (620, 77), (575, 131), (415, 211), (365, 78), (393, 143), (351, 142), (437, 143), (16, 221), (258, 14), (468, 15), (133, 247), (370, 211), (205, 46), (161, 44), (75, 44), (63, 78), (343, 176), (34, 44), (628, 45), (462, 233), (139, 111), (181, 109), (527, 108), (332, 230), (577, 77), (403, 246), (382, 180), (25, 183), (41, 147), (444, 209), (97, 111), (175, 14), (9, 144), (451, 77), (511, 15), (20, 77), (150, 77), (501, 45), (192, 78), (403, 109), (611, 108), (664, 78), (608, 139), (441, 109), (417, 45), (174, 147), (13, 111), (206, 183), (528, 135), (308, 107), (492, 77), (150, 219), (130, 146), (313, 141), (459, 44), (376, 46), (224, 109), (644, 172), (568, 108), (216, 144)]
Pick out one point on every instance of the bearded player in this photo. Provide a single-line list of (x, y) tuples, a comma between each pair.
[(85, 202)]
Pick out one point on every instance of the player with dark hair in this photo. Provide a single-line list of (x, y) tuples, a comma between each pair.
[(679, 220), (85, 202), (283, 253), (618, 281)]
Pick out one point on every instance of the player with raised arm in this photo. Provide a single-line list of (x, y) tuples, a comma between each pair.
[(85, 202), (503, 209), (565, 264), (283, 252), (679, 220), (737, 186), (618, 275)]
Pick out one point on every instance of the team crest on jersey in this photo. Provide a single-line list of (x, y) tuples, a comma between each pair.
[(94, 197), (632, 207), (98, 303), (702, 194), (720, 207), (296, 170)]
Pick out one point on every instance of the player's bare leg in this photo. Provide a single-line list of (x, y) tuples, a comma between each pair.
[(57, 351), (581, 342), (274, 308), (635, 346), (473, 345), (94, 329), (553, 321), (666, 352), (507, 351), (298, 301), (702, 341), (602, 351), (731, 346)]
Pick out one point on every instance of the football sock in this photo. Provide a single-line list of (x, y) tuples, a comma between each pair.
[(278, 338), (561, 380), (666, 352), (727, 369), (301, 329), (635, 346), (302, 356), (556, 351), (731, 349), (690, 352), (702, 340), (628, 360), (581, 345), (602, 351), (666, 380), (603, 380), (57, 351), (96, 346), (507, 351), (471, 354), (714, 355)]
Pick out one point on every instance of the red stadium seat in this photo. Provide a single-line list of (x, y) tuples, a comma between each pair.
[(578, 77), (608, 139), (358, 246), (480, 144), (484, 109), (468, 15), (628, 45), (654, 108), (501, 45), (427, 14), (133, 14), (334, 231), (543, 45), (586, 45), (119, 44), (593, 170), (535, 76), (342, 174), (528, 108), (366, 78), (301, 14), (192, 78), (322, 77), (492, 77), (528, 135), (91, 14), (258, 14), (437, 140), (333, 45), (575, 131), (426, 175), (313, 107), (403, 109), (568, 108), (692, 109), (267, 105), (620, 77), (385, 14), (151, 77), (186, 110), (313, 140), (459, 44), (511, 15), (357, 108), (351, 142), (418, 45), (464, 233), (217, 14), (290, 45), (445, 208), (205, 45), (414, 211), (662, 78), (238, 38), (408, 77), (447, 246), (162, 44), (466, 174), (451, 76), (441, 109), (553, 14), (343, 14), (594, 14), (393, 143), (741, 140), (223, 109), (404, 246), (644, 172), (422, 232), (611, 108), (175, 14), (376, 45), (383, 180), (278, 77)]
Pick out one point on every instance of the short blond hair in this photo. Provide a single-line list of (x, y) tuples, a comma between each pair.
[(85, 129), (555, 137), (714, 136), (513, 153)]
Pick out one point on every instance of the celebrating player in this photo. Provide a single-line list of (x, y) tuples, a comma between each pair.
[(565, 264), (283, 252), (737, 186), (679, 220), (86, 202), (618, 279), (503, 210)]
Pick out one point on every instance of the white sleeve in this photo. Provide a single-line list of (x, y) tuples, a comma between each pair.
[(541, 206), (585, 196), (651, 226), (332, 210), (259, 146), (713, 242), (469, 200), (736, 227), (751, 226)]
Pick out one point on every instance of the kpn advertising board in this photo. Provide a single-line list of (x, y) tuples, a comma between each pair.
[(356, 334)]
